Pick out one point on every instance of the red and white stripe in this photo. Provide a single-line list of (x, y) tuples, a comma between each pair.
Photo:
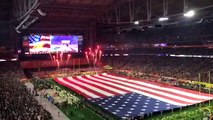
[(104, 85), (45, 38)]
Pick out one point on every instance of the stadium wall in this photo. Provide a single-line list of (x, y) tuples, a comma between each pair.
[(49, 63)]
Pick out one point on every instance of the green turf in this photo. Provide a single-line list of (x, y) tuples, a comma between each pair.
[(75, 112)]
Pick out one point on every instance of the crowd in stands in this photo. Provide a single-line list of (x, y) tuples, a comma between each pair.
[(16, 103), (65, 72), (180, 68)]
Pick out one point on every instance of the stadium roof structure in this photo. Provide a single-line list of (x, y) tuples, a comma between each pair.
[(78, 14)]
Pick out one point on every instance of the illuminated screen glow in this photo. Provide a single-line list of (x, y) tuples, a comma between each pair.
[(54, 43)]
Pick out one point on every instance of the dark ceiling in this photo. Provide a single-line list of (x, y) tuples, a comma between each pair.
[(5, 9), (81, 13), (74, 11)]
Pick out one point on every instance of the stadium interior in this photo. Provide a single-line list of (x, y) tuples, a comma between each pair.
[(106, 59)]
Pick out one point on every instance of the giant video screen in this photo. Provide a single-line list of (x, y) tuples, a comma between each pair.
[(39, 44)]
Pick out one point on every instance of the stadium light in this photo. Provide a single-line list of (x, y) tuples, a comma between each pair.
[(163, 19), (136, 22), (189, 14), (41, 12)]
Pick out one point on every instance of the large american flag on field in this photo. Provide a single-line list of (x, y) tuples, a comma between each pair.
[(126, 97)]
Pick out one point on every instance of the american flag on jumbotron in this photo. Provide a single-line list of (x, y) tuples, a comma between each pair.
[(39, 43), (128, 98)]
